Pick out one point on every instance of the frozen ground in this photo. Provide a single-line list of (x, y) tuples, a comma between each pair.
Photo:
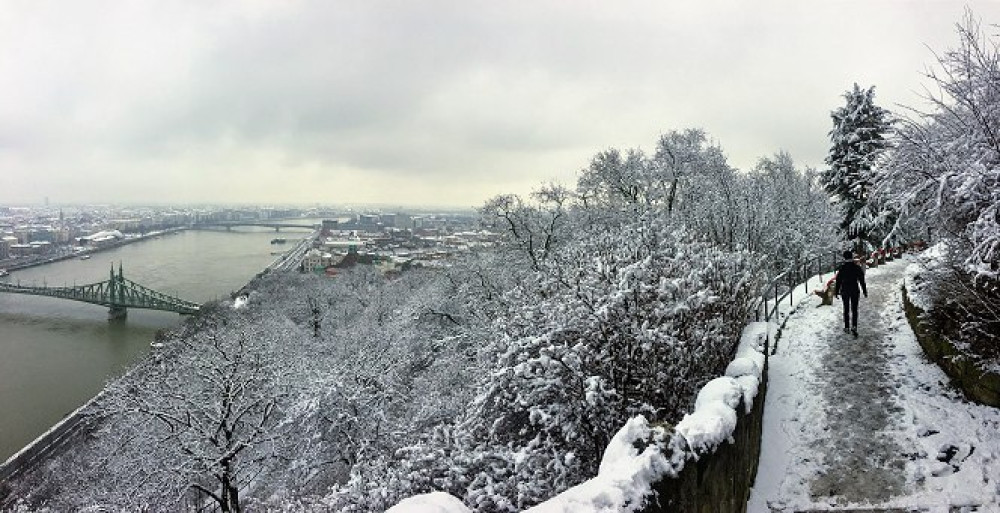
[(868, 424)]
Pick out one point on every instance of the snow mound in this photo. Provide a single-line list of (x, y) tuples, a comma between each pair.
[(632, 463), (749, 359), (434, 502), (714, 418)]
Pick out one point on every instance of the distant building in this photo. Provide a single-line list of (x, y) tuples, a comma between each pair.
[(126, 225), (318, 261), (41, 247), (21, 250), (4, 249)]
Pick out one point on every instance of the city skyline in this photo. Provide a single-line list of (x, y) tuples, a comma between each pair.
[(437, 104)]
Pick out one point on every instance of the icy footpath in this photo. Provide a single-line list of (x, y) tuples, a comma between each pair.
[(869, 424)]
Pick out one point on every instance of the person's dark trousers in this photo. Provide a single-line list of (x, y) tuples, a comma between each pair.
[(851, 309)]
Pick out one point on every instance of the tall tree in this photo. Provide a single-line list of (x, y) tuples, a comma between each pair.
[(858, 140)]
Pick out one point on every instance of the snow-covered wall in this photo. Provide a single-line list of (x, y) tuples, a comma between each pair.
[(979, 384), (707, 462)]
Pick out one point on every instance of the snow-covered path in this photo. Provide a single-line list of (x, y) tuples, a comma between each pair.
[(869, 423)]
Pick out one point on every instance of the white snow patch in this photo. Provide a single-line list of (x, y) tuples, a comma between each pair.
[(622, 447), (937, 417), (917, 277), (626, 475), (714, 418), (434, 502)]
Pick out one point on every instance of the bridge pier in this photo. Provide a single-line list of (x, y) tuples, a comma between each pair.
[(117, 313)]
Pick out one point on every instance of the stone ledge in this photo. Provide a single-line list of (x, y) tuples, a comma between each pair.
[(977, 385), (720, 481)]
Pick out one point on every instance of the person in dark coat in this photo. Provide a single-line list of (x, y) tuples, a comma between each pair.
[(850, 285)]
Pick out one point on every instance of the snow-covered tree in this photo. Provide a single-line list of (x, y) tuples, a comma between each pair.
[(945, 173), (858, 140), (784, 206), (943, 178)]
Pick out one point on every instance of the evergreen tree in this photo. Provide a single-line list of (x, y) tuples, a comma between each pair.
[(858, 139)]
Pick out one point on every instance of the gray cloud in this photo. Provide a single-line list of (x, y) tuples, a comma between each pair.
[(430, 102)]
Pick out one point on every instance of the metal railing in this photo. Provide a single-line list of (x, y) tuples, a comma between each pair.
[(784, 284), (800, 272)]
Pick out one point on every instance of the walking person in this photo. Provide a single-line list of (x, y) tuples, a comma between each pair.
[(850, 285)]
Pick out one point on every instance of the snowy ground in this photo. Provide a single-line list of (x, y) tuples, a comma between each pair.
[(869, 423)]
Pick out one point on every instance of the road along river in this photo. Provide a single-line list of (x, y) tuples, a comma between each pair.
[(57, 354)]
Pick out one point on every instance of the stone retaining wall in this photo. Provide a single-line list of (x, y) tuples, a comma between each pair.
[(979, 386), (43, 446), (719, 482)]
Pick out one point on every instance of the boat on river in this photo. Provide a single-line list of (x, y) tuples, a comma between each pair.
[(85, 257), (278, 241), (3, 272)]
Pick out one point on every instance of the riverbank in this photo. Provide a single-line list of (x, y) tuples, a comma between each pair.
[(91, 251)]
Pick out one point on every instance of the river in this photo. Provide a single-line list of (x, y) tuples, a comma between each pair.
[(57, 354)]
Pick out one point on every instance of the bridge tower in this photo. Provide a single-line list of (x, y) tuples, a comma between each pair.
[(116, 293)]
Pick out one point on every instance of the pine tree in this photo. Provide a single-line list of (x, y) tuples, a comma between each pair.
[(858, 139)]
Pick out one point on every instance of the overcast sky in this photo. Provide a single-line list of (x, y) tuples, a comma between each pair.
[(407, 102)]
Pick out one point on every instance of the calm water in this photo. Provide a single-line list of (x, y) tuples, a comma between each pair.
[(57, 354)]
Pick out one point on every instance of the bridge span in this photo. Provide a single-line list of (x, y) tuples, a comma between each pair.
[(263, 224), (117, 293)]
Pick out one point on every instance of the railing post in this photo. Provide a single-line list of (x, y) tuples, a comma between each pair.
[(775, 298), (792, 284)]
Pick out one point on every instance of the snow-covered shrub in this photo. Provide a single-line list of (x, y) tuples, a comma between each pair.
[(632, 322)]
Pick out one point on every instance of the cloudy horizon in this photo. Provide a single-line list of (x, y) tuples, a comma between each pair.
[(436, 103)]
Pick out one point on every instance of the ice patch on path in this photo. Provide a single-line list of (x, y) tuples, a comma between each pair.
[(434, 502)]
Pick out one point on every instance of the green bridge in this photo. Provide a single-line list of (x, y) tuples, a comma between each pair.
[(117, 293)]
